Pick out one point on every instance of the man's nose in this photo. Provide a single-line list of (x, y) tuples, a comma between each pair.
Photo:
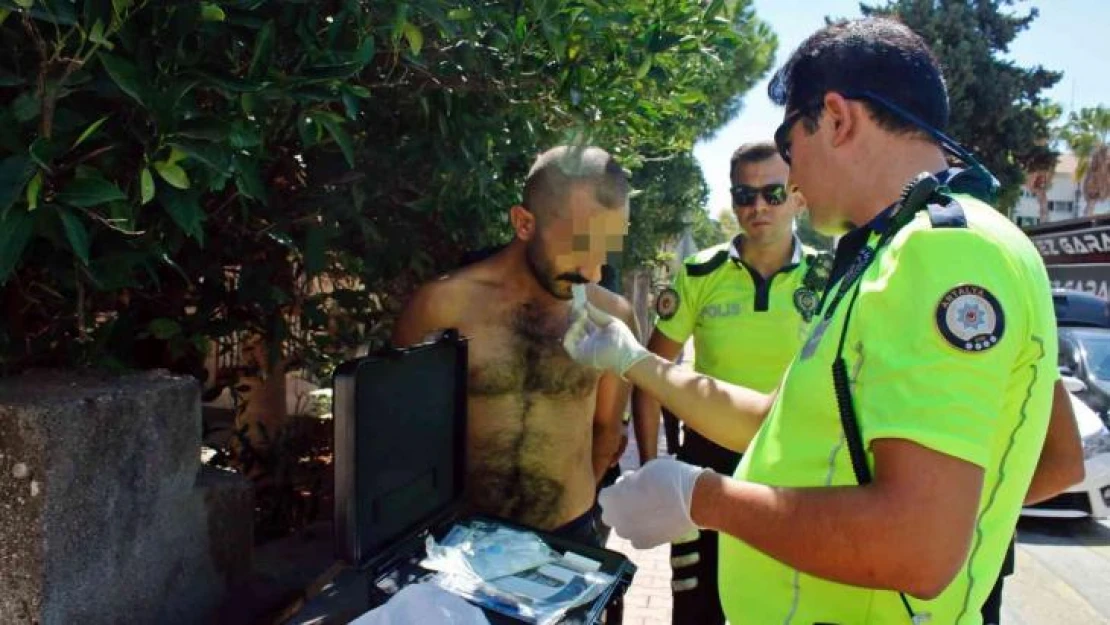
[(591, 272)]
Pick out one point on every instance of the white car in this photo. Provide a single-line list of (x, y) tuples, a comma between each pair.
[(1091, 497)]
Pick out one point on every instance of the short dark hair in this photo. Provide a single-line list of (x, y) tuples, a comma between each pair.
[(752, 153), (878, 55), (557, 169)]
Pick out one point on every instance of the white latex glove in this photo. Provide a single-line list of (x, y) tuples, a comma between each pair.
[(597, 339), (651, 506)]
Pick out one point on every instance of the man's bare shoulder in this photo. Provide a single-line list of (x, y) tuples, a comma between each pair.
[(613, 303), (441, 303)]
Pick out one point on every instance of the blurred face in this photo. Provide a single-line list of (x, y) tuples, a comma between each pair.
[(571, 246), (765, 208)]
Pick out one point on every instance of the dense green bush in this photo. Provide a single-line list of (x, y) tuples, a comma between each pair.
[(174, 173)]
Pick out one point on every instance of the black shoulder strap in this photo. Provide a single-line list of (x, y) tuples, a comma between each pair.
[(704, 268)]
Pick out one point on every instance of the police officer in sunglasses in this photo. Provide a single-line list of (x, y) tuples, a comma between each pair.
[(882, 478), (751, 296)]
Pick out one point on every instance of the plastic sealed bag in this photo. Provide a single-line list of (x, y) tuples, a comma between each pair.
[(424, 603), (513, 572), (488, 551)]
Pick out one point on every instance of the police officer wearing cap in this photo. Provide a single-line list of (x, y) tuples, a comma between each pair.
[(751, 296), (881, 481)]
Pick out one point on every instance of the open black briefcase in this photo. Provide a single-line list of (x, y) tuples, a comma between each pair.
[(400, 441)]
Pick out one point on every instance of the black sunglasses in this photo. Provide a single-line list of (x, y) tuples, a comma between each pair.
[(773, 194), (782, 133)]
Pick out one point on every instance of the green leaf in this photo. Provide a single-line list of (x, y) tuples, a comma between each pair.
[(125, 75), (172, 174), (121, 6), (358, 91), (211, 154), (15, 171), (263, 47), (146, 185), (713, 9), (210, 12), (164, 329), (93, 127), (691, 97), (365, 52), (244, 135), (16, 228), (26, 4), (328, 72), (76, 233), (185, 210), (176, 156), (228, 84), (350, 105), (90, 191), (413, 36), (460, 15), (247, 179), (206, 128), (32, 193), (96, 35), (334, 126), (26, 106), (42, 151), (645, 67), (314, 247)]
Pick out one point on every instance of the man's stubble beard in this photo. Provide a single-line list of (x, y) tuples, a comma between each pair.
[(541, 271)]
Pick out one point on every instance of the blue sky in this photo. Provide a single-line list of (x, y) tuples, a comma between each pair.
[(1072, 36)]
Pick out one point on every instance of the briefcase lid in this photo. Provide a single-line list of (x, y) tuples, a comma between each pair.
[(400, 440)]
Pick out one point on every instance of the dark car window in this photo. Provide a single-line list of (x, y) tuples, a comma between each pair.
[(1095, 344), (1076, 308)]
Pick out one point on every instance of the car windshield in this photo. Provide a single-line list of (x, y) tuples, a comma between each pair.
[(1096, 344)]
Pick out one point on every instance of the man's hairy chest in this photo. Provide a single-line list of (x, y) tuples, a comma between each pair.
[(519, 351)]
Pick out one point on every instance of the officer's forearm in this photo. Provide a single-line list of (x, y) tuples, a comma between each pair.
[(726, 414), (645, 424), (907, 533), (1061, 463)]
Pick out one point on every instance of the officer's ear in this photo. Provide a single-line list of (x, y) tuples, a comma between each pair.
[(843, 117), (523, 221), (798, 200)]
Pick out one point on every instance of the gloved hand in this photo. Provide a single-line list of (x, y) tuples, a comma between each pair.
[(651, 506), (598, 340)]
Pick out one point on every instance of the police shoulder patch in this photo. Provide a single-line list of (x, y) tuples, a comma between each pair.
[(970, 318), (666, 303)]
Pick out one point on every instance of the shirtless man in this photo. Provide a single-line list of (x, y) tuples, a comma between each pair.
[(542, 429)]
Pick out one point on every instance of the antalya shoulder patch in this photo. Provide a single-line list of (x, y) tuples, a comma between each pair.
[(666, 303), (970, 318)]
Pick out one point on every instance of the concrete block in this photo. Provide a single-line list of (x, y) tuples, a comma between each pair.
[(101, 516)]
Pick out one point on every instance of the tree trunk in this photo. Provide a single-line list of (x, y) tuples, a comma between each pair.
[(1038, 185), (261, 399), (1096, 184)]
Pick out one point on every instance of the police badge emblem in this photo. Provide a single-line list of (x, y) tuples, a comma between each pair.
[(805, 300), (822, 267), (666, 303), (970, 318)]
